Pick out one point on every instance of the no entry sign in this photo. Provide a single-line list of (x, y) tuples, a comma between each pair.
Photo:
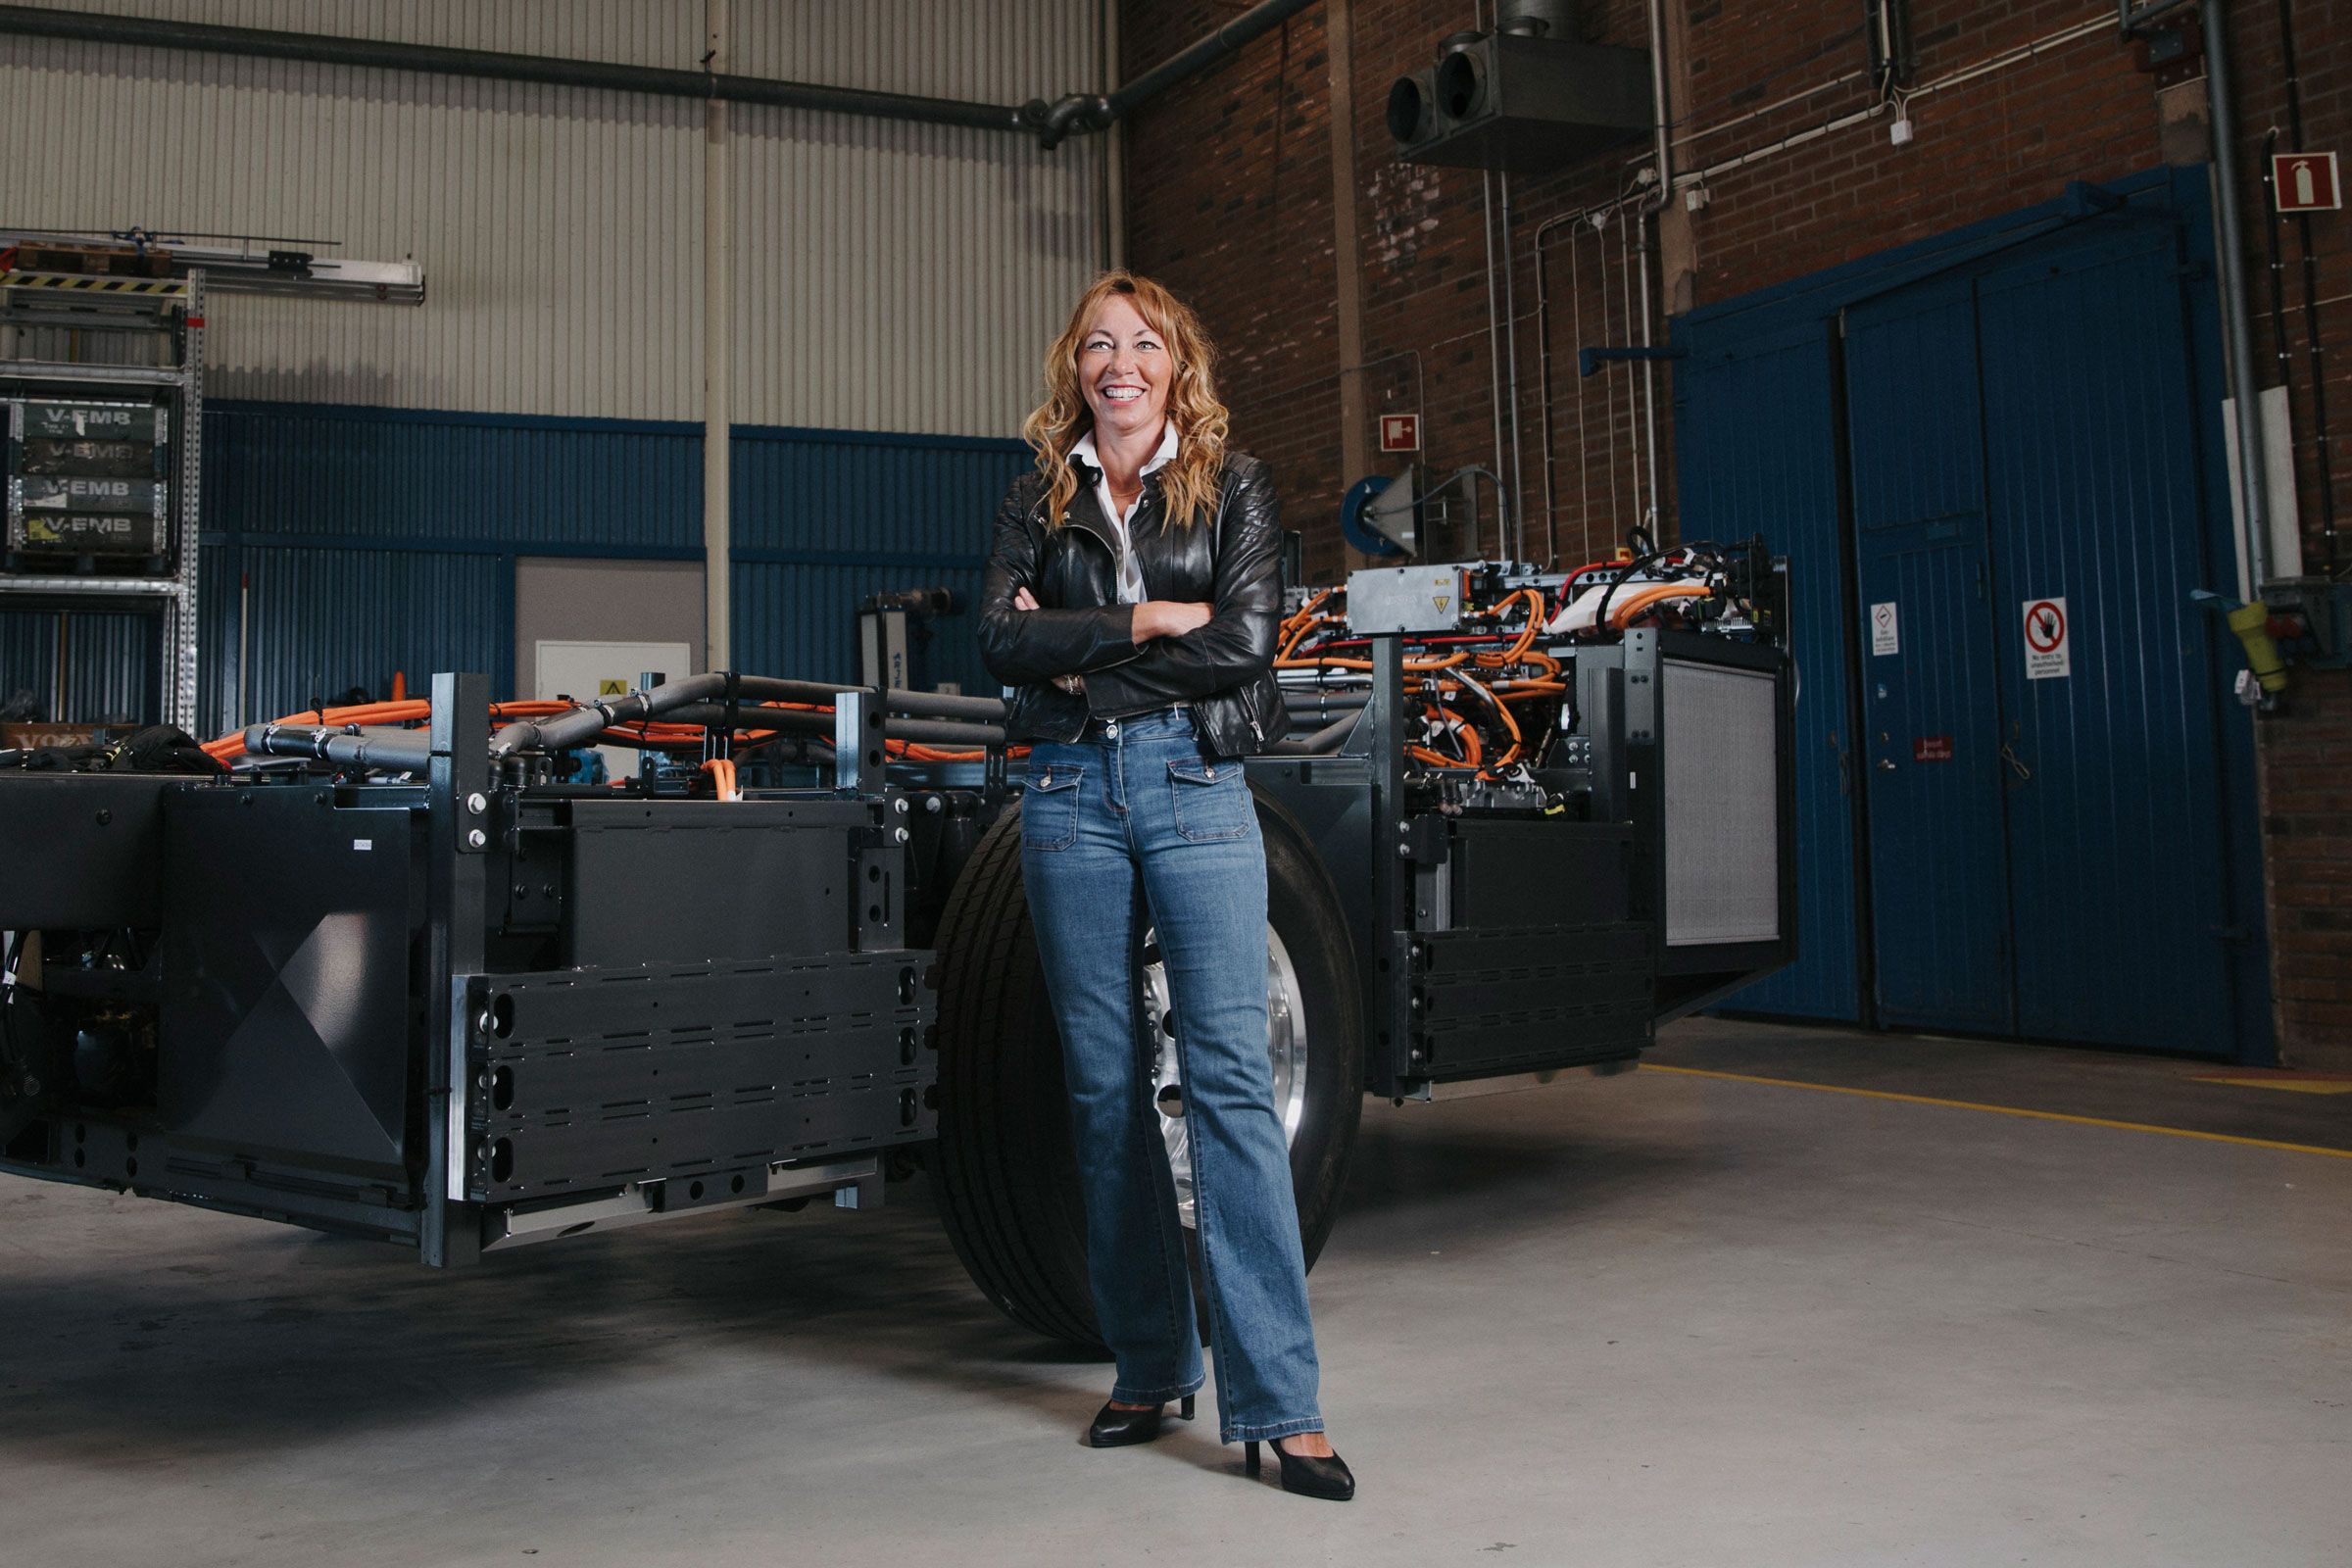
[(2047, 651), (2306, 183)]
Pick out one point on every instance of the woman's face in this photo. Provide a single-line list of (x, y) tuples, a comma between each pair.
[(1124, 370)]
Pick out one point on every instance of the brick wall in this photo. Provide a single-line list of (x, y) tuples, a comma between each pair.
[(2307, 749), (1229, 192)]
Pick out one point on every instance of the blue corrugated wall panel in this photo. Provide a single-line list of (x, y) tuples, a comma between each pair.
[(824, 519), (1754, 454), (441, 480), (801, 620), (111, 664), (1940, 886), (2100, 497), (28, 656), (216, 641), (932, 497), (383, 539), (324, 621), (1738, 422)]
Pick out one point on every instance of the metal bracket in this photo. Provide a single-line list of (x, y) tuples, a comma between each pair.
[(458, 780), (649, 760), (1590, 361), (859, 755), (2135, 17)]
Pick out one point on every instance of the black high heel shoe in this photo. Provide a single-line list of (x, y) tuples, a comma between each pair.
[(1115, 1427), (1304, 1473)]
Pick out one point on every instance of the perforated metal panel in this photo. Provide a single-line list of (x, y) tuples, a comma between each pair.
[(1723, 845)]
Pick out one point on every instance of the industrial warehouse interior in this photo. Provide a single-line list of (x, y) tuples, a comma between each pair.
[(653, 652)]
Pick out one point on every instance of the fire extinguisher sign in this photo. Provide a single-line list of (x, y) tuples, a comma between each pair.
[(2306, 183)]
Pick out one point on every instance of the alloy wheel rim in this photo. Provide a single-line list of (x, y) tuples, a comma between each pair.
[(1287, 1045)]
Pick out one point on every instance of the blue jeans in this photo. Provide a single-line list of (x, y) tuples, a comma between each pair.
[(1132, 826)]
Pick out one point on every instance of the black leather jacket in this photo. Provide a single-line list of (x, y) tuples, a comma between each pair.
[(1224, 670)]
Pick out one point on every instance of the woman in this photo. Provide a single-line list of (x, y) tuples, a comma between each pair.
[(1131, 600)]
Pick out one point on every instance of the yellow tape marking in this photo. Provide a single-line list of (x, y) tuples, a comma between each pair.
[(102, 282), (2005, 1110), (2293, 1085)]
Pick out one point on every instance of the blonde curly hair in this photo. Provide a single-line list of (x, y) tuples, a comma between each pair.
[(1190, 480)]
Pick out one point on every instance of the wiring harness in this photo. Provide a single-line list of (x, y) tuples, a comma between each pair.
[(1496, 694)]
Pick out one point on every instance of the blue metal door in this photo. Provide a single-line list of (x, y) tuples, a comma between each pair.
[(2098, 520), (1940, 889), (1759, 454)]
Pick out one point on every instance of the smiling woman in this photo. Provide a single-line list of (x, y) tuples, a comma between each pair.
[(1130, 605)]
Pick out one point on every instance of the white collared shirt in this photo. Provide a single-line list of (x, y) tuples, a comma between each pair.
[(1131, 574)]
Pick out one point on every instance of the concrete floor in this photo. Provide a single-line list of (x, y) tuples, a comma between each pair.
[(1662, 1318)]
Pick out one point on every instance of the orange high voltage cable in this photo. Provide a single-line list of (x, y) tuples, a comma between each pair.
[(1641, 599), (1527, 634), (721, 773), (644, 732), (1462, 731)]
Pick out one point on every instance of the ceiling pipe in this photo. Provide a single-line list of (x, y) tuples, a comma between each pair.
[(328, 49), (1051, 123), (1083, 112)]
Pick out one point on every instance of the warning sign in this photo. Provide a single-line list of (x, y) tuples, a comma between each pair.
[(607, 686), (2306, 183), (1400, 432), (2047, 651), (1930, 748), (1884, 637)]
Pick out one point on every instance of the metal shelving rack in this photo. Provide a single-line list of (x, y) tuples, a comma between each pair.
[(50, 308)]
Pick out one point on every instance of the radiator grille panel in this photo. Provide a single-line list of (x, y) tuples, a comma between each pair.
[(1723, 848)]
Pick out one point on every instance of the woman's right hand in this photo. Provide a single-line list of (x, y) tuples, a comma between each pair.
[(1168, 617)]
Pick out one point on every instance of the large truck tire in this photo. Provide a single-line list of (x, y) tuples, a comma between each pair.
[(1006, 1175)]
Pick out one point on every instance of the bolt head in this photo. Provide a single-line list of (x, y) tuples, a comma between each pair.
[(899, 805), (476, 802), (900, 834), (476, 837)]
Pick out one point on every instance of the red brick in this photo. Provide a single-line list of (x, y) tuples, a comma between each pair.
[(1229, 194)]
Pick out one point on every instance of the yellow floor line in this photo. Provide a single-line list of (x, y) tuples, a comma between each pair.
[(2005, 1110), (2292, 1086)]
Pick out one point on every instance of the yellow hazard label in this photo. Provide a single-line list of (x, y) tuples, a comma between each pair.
[(91, 284), (1439, 600), (607, 686)]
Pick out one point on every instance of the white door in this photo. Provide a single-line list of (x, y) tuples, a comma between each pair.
[(582, 669)]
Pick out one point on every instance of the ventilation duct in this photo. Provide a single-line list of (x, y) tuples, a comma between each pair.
[(1522, 103)]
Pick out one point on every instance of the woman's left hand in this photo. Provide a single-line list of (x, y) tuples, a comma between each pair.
[(1075, 685)]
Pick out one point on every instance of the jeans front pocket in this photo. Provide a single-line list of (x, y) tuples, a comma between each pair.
[(1212, 800), (1050, 807)]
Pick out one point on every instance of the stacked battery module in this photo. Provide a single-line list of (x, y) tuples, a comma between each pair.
[(88, 492)]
